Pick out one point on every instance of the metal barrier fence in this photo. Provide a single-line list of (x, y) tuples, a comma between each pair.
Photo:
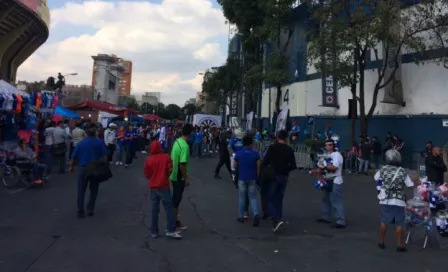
[(303, 155)]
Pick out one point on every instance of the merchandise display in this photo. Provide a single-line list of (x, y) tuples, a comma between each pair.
[(320, 184), (428, 208), (418, 213)]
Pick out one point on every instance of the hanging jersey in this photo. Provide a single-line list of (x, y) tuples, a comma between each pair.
[(14, 103), (19, 103), (38, 101), (2, 102), (31, 122), (49, 101), (9, 102), (55, 101)]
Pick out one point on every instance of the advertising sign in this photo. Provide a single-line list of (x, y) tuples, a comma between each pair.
[(207, 120), (329, 92)]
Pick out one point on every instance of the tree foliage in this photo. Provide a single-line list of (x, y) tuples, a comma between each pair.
[(351, 32), (147, 108), (128, 101), (221, 83)]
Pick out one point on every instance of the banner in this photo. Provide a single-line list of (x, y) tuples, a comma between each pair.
[(329, 86), (207, 120), (249, 118), (393, 92), (281, 120)]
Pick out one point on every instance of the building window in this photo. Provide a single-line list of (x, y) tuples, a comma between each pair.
[(111, 85)]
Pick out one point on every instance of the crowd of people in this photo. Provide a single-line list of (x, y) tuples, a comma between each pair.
[(254, 170)]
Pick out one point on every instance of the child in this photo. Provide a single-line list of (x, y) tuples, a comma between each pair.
[(157, 169)]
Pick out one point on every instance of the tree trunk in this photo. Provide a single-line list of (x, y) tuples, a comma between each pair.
[(362, 104), (278, 98), (354, 109)]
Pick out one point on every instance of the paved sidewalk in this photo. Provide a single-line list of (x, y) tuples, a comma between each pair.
[(39, 231)]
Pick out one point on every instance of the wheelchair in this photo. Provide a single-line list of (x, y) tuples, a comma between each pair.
[(25, 169)]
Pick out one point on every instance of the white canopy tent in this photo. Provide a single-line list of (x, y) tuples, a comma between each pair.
[(5, 87)]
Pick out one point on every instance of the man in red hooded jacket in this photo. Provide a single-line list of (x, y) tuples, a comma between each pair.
[(157, 169)]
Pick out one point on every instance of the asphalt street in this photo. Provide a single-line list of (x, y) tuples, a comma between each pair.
[(39, 230)]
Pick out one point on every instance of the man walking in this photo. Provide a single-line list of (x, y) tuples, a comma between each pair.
[(87, 151), (109, 141), (247, 163), (224, 156), (157, 168), (180, 155), (59, 147), (281, 157)]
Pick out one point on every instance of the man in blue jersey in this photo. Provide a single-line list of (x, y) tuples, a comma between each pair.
[(236, 144)]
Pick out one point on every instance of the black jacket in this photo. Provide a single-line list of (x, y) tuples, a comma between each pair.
[(223, 150), (435, 167), (281, 158)]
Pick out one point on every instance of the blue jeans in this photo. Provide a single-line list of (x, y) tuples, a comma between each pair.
[(363, 166), (376, 161), (162, 195), (197, 149), (275, 197), (82, 187), (332, 205), (119, 153), (247, 188), (38, 170), (48, 158)]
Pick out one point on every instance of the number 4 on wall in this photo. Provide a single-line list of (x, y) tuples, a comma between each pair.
[(286, 96)]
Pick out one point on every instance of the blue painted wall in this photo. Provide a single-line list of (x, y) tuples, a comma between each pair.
[(415, 130)]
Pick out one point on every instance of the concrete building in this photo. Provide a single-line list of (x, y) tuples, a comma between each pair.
[(207, 107), (24, 28), (126, 77), (419, 119), (191, 101), (74, 94), (106, 78), (152, 98)]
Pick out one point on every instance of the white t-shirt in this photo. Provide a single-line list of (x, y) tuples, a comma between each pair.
[(337, 161), (49, 135), (393, 201)]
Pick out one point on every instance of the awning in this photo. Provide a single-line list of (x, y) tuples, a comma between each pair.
[(151, 117), (66, 113), (5, 87), (102, 106)]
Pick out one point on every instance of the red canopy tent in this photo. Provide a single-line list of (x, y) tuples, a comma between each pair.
[(102, 106), (151, 117)]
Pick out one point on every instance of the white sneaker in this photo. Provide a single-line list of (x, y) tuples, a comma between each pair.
[(117, 163), (121, 163), (174, 235), (144, 152)]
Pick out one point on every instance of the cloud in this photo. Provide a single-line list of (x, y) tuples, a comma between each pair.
[(169, 43)]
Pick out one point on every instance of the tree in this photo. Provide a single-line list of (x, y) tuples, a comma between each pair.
[(129, 102), (278, 26), (348, 32), (147, 108), (173, 111), (248, 16), (223, 82)]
